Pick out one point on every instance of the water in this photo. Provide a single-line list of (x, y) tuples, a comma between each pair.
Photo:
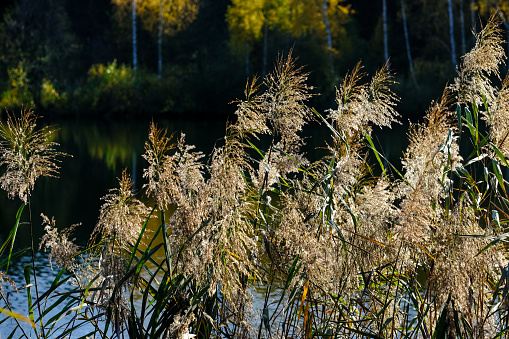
[(100, 152)]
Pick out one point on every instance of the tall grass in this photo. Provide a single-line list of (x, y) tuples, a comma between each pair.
[(340, 251)]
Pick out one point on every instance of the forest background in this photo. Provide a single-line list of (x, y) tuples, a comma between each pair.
[(191, 58)]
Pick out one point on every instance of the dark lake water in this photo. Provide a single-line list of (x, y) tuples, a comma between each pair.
[(100, 152)]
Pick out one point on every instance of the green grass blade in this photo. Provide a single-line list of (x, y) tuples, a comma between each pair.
[(133, 252), (12, 236), (27, 270), (372, 146)]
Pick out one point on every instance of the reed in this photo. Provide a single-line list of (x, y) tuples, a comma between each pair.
[(340, 251)]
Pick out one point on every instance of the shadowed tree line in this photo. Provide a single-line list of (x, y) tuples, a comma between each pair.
[(140, 58)]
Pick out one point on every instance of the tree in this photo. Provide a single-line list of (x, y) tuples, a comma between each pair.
[(249, 21), (122, 4), (245, 20), (451, 32), (36, 41), (166, 17), (328, 32), (407, 44)]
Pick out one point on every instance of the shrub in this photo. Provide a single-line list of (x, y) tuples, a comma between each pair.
[(18, 95)]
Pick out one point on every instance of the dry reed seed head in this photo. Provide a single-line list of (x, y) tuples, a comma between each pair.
[(498, 119), (283, 103), (251, 119), (459, 269), (360, 105), (159, 171), (225, 241), (179, 327), (276, 164), (189, 169), (5, 279), (375, 208), (62, 249), (432, 145), (86, 271), (122, 215), (113, 265), (481, 63), (27, 153)]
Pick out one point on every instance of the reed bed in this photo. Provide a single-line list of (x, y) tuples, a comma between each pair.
[(340, 251)]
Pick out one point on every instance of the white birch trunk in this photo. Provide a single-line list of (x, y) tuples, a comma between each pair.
[(160, 43), (407, 43), (451, 33), (384, 24), (135, 50), (328, 32)]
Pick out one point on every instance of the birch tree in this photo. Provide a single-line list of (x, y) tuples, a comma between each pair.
[(252, 20), (451, 32), (384, 25), (121, 5), (245, 20), (166, 17), (328, 33), (407, 44)]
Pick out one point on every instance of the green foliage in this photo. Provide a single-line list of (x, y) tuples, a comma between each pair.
[(18, 95), (116, 90), (50, 98)]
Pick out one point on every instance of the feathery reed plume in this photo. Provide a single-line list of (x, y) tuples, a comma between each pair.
[(362, 104), (250, 120), (158, 174), (280, 109), (423, 157), (435, 217), (481, 63), (121, 215), (424, 166), (497, 118), (62, 249), (284, 100), (28, 154), (459, 268)]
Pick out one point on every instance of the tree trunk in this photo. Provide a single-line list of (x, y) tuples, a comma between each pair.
[(451, 32), (328, 32), (160, 43), (135, 51), (407, 43), (384, 24), (462, 21)]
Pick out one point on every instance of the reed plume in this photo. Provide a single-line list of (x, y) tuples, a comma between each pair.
[(122, 214), (480, 65), (62, 249), (27, 153), (362, 104)]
